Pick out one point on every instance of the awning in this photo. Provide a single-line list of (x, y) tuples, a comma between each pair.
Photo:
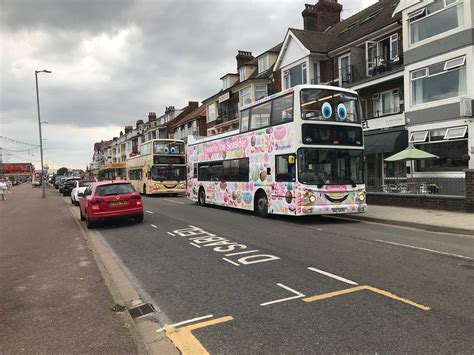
[(386, 142)]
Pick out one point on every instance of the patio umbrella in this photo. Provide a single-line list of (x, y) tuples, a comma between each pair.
[(411, 153)]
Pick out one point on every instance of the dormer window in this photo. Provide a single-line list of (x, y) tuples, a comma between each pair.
[(242, 75), (263, 63), (225, 83)]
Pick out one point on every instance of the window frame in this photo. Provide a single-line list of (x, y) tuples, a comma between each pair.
[(277, 179), (459, 136), (242, 76), (263, 63), (412, 140)]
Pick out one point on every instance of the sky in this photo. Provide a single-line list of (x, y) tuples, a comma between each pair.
[(113, 61)]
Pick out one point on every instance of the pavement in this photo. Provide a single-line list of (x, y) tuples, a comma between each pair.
[(432, 220), (53, 297)]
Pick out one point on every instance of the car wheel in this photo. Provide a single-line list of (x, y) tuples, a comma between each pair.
[(261, 204), (90, 224), (138, 219), (201, 197), (76, 203), (82, 216)]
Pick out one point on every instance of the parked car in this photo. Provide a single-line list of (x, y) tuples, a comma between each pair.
[(61, 183), (110, 199), (69, 185), (37, 179), (78, 191)]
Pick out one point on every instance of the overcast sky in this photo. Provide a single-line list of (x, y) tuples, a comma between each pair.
[(113, 61)]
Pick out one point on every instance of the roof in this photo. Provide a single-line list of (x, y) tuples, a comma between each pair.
[(198, 112), (344, 33), (312, 40)]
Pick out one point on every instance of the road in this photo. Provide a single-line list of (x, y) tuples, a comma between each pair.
[(309, 285)]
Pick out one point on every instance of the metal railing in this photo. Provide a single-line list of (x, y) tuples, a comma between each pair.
[(418, 185)]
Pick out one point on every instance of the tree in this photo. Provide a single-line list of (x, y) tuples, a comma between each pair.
[(62, 171)]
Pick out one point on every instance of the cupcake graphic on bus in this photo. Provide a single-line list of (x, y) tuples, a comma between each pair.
[(298, 152)]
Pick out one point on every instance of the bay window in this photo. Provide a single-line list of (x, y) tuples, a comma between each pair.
[(246, 95), (439, 81), (438, 17), (295, 76)]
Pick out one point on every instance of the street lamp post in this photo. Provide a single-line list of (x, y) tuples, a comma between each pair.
[(39, 125)]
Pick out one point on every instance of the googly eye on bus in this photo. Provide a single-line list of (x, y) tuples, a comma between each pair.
[(166, 150), (342, 112), (326, 110), (173, 150)]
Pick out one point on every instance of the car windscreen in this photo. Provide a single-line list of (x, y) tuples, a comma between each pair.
[(85, 183), (114, 189)]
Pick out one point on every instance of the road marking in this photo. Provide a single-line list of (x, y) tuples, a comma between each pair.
[(195, 245), (369, 288), (181, 203), (425, 249), (170, 233), (148, 212), (333, 276), (186, 342), (184, 322), (153, 226), (298, 295), (243, 252), (319, 229), (230, 261)]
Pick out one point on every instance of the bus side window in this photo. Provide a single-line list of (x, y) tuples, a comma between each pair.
[(285, 168), (282, 110), (203, 172), (195, 170)]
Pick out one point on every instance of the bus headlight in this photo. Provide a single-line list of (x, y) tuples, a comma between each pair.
[(361, 196), (312, 199)]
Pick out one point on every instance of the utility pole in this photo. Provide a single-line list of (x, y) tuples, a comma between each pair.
[(39, 125)]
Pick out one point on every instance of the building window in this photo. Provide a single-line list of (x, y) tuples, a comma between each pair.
[(315, 79), (394, 46), (345, 69), (453, 156), (386, 103), (263, 63), (211, 112), (246, 95), (225, 83), (417, 137), (242, 76), (260, 91), (438, 17), (296, 75), (439, 81), (260, 116)]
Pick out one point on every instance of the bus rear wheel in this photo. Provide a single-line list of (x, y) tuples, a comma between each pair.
[(201, 197), (261, 204)]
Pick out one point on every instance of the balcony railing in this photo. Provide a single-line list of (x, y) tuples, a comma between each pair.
[(418, 185)]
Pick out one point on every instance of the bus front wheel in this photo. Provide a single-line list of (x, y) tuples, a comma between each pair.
[(261, 204), (201, 197)]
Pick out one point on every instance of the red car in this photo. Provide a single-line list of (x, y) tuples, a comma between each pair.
[(110, 199)]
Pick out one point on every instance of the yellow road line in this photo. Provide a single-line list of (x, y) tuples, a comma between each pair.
[(333, 294), (398, 298), (186, 342), (369, 288)]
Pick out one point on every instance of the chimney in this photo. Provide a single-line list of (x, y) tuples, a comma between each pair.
[(128, 129), (121, 133), (139, 122), (243, 57), (193, 104), (151, 116), (322, 15), (169, 109)]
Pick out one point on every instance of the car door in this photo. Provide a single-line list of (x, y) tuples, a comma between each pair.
[(84, 199)]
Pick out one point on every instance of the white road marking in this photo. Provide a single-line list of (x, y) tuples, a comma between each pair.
[(319, 229), (184, 322), (425, 249), (148, 212), (297, 295), (230, 261), (243, 252), (333, 276), (153, 226), (170, 233), (197, 246), (181, 203)]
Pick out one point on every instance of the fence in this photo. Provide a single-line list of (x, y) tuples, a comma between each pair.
[(418, 185)]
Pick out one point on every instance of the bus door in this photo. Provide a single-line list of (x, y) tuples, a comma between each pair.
[(283, 189)]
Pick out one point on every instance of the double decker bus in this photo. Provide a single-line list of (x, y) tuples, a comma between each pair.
[(159, 168), (298, 152)]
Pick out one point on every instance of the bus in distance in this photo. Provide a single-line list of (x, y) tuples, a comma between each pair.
[(298, 152), (159, 167)]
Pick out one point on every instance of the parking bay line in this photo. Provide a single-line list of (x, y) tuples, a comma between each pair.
[(333, 276), (424, 249), (171, 234), (150, 212), (153, 226), (195, 245), (186, 342), (184, 322), (297, 295)]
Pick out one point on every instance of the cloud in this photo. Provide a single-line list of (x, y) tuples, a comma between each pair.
[(113, 61)]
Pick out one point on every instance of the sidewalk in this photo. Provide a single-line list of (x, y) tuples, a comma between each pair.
[(53, 298), (432, 220)]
